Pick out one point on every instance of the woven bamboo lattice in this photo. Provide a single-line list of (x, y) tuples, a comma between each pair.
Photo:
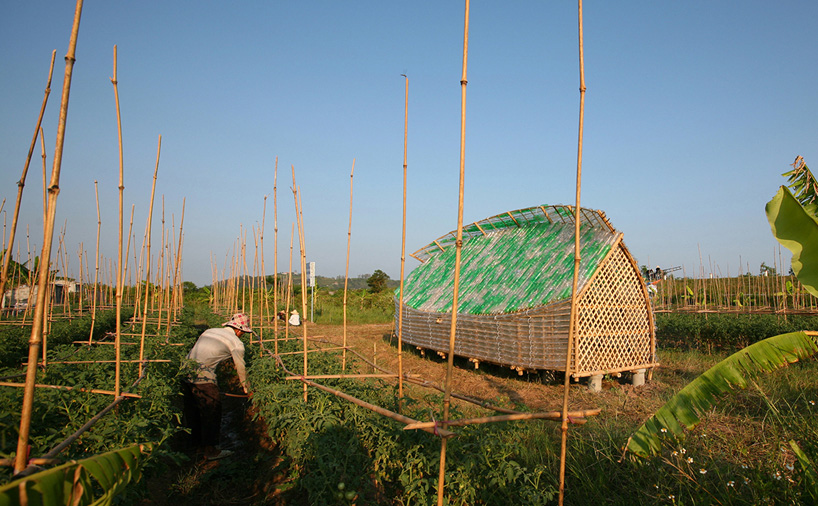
[(515, 294)]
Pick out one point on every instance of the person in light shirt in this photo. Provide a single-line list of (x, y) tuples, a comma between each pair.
[(203, 407)]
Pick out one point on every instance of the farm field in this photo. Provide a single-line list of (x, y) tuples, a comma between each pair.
[(297, 454)]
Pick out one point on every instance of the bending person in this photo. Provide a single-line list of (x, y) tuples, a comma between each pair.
[(203, 406)]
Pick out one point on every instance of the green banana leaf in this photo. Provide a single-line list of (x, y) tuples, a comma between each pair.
[(797, 230), (810, 472), (73, 483), (684, 409)]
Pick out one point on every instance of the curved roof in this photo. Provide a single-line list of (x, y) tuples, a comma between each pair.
[(510, 262)]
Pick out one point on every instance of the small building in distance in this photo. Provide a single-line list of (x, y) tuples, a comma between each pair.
[(514, 300)]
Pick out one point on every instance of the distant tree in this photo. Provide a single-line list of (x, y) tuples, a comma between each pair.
[(189, 286), (766, 270), (377, 281)]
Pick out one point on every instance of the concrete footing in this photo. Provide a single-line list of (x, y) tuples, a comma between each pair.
[(595, 383), (638, 378)]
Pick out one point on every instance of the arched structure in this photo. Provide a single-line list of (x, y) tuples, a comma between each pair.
[(515, 294)]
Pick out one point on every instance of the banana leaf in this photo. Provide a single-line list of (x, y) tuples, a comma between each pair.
[(683, 410), (797, 230), (810, 472), (74, 483)]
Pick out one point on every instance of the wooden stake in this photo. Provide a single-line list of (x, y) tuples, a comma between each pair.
[(447, 396), (45, 257)]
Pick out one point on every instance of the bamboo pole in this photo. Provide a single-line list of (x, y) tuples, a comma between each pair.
[(265, 309), (96, 268), (62, 387), (289, 285), (22, 182), (300, 221), (339, 376), (577, 257), (128, 247), (148, 256), (458, 251), (48, 237), (346, 274), (377, 409), (275, 255), (302, 249), (118, 372), (576, 417), (177, 263), (159, 293), (402, 246)]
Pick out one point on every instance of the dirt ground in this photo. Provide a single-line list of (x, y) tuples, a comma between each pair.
[(497, 385)]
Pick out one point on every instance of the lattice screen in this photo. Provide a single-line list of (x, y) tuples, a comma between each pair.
[(613, 325)]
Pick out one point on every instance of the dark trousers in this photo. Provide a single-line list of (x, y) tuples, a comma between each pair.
[(202, 412)]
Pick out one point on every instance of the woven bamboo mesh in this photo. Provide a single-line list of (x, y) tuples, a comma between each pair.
[(515, 294), (614, 331)]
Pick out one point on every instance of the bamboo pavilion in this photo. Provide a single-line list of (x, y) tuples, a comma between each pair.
[(515, 295)]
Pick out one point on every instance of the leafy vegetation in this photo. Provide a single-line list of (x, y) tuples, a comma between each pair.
[(58, 413), (333, 446), (713, 332)]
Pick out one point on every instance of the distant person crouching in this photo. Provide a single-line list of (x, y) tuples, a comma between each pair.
[(295, 318)]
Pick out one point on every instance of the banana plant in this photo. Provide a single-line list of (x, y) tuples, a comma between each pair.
[(75, 482), (793, 217), (684, 410), (794, 222)]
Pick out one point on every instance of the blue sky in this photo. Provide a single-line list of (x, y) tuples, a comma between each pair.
[(693, 111)]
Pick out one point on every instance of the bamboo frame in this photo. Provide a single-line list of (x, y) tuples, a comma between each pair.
[(48, 235)]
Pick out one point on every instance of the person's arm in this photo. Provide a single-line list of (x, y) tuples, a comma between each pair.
[(238, 361)]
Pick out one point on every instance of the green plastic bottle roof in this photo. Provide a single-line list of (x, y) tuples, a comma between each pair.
[(526, 260)]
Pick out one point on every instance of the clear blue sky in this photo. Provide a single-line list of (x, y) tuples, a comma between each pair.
[(693, 110)]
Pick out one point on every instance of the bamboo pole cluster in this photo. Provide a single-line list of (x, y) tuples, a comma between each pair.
[(43, 284)]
